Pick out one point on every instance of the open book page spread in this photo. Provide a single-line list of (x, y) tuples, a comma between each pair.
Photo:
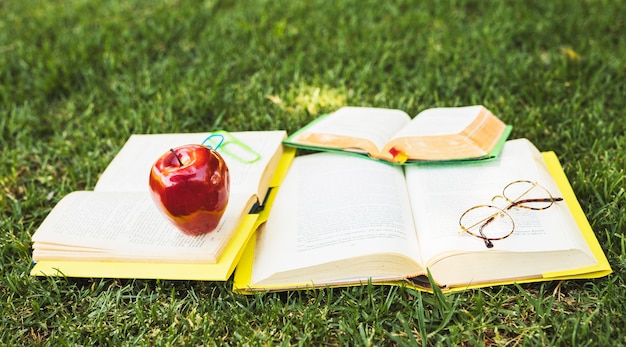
[(336, 209), (436, 134), (339, 219)]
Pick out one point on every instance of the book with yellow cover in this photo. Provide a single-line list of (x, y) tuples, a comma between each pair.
[(436, 134), (338, 220), (116, 230)]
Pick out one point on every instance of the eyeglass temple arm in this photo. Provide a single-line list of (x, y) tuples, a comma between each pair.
[(524, 201), (488, 242)]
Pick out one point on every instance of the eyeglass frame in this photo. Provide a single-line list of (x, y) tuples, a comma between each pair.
[(512, 203)]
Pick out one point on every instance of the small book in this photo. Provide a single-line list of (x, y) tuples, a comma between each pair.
[(339, 220), (117, 231), (436, 134)]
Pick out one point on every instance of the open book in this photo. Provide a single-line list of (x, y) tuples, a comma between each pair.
[(436, 134), (117, 231), (340, 220)]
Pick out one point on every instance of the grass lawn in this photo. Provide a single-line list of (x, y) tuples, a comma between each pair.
[(78, 77)]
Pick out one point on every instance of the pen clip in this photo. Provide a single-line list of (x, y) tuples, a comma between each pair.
[(232, 147)]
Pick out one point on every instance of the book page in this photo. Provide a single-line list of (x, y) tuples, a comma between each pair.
[(127, 226), (440, 121), (130, 169), (449, 133), (375, 125), (441, 193), (334, 207)]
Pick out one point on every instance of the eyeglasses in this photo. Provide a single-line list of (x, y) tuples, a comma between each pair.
[(492, 223)]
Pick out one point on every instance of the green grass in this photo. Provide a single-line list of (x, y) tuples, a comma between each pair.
[(78, 77)]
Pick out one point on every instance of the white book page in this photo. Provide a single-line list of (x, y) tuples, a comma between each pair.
[(440, 121), (441, 193), (128, 226), (130, 169), (375, 124), (332, 207)]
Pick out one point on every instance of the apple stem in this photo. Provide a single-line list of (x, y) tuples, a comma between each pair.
[(176, 155)]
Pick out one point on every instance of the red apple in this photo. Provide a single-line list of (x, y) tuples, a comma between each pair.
[(190, 184)]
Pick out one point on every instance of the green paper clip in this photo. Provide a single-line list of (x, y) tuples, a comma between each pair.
[(231, 146)]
